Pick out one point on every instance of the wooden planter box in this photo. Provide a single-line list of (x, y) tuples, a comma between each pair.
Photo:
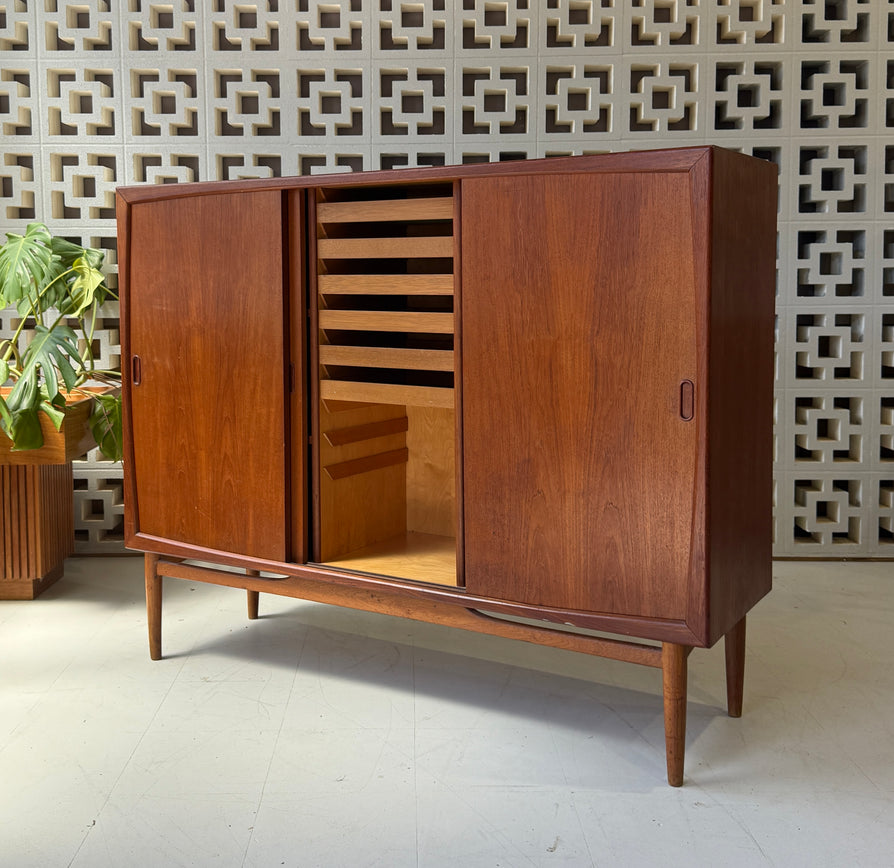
[(36, 505), (71, 441)]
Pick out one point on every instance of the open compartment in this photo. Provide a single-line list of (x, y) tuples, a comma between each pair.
[(385, 349)]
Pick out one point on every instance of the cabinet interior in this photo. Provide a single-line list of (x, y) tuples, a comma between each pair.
[(384, 280)]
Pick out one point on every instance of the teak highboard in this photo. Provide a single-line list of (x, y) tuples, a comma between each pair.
[(532, 399)]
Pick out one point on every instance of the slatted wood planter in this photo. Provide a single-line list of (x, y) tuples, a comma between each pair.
[(36, 505), (37, 532)]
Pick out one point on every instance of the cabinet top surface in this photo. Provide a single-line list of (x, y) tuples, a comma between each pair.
[(661, 160)]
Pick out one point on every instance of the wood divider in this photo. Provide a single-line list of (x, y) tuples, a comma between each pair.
[(369, 431), (355, 466), (336, 406)]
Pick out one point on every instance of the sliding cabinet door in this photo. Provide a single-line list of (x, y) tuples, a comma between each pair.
[(579, 348), (208, 393)]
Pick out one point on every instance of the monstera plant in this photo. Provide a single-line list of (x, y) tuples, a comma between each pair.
[(57, 288)]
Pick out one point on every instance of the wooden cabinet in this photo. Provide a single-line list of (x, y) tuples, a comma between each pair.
[(469, 395)]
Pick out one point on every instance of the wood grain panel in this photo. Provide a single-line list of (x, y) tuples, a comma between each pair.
[(366, 464), (366, 431), (431, 471), (387, 321), (385, 248), (385, 284), (740, 421), (205, 282), (346, 519), (386, 393), (383, 210), (387, 357), (71, 441), (578, 312), (418, 556), (348, 523)]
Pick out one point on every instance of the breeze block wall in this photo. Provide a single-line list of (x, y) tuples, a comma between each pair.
[(97, 93)]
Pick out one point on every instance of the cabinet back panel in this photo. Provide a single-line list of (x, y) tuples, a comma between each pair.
[(205, 291), (578, 468)]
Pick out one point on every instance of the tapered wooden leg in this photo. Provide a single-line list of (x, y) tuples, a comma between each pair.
[(734, 643), (674, 669), (253, 597), (153, 606)]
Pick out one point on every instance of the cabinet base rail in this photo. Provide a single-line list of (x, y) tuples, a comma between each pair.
[(671, 658)]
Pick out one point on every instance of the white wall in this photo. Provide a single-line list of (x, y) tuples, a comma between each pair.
[(96, 93)]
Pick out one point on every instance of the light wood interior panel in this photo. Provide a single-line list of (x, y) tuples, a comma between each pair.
[(431, 471), (419, 556), (387, 490), (346, 520), (385, 284)]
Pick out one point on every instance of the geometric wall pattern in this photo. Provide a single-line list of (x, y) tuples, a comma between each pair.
[(96, 93)]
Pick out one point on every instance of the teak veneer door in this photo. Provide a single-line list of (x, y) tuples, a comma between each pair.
[(578, 329), (207, 326)]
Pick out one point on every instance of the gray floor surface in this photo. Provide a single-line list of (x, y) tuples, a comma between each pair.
[(318, 736)]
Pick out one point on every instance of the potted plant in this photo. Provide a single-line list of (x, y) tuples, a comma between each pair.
[(57, 288), (51, 395)]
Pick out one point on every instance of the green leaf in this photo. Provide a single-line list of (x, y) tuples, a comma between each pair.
[(83, 289), (4, 371), (68, 252), (84, 263), (25, 395), (26, 433), (5, 418), (25, 262), (50, 352), (105, 424), (57, 416)]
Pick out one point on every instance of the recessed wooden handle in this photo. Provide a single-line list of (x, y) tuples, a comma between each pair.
[(687, 400), (136, 370)]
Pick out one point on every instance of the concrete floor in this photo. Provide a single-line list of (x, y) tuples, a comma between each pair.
[(318, 736)]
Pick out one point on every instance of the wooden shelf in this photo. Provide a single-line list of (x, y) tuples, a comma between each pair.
[(372, 349), (387, 321), (437, 208), (386, 393), (385, 284), (436, 246), (422, 557), (387, 357)]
